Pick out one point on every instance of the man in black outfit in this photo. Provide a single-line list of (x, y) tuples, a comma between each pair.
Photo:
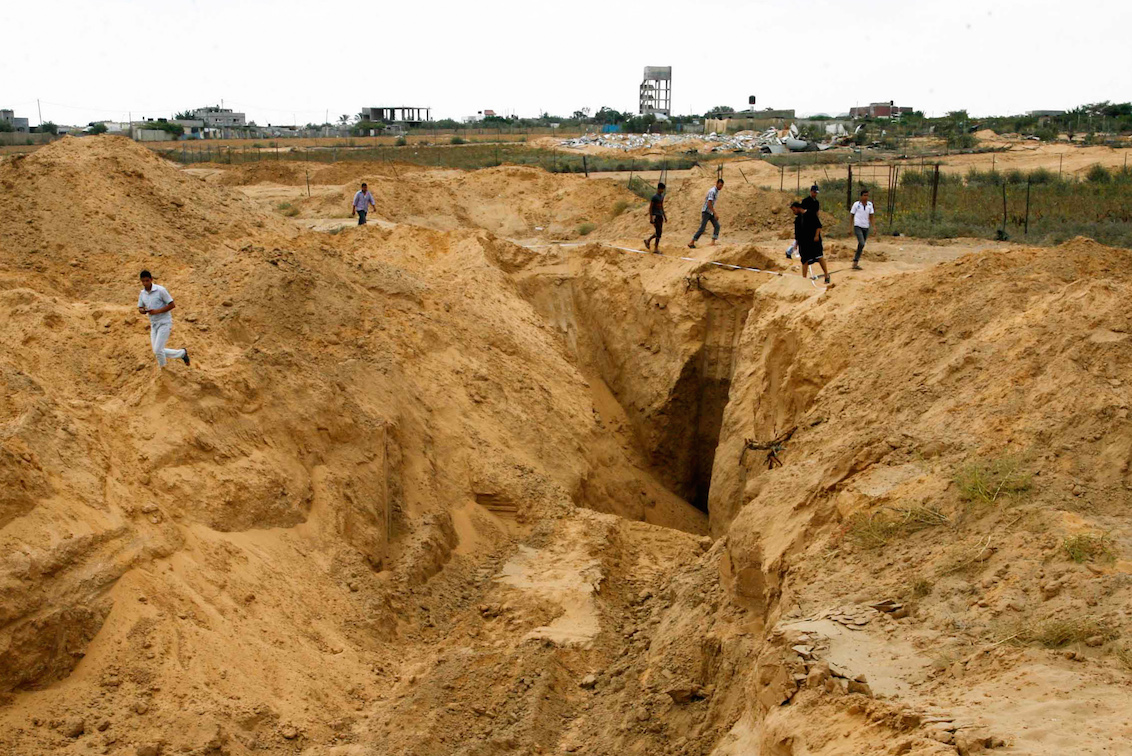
[(657, 216), (808, 237)]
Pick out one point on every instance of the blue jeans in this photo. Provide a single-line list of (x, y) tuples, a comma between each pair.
[(704, 218)]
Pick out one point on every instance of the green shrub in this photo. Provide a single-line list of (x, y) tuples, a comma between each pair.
[(400, 141), (975, 177), (1098, 174), (586, 228), (457, 140), (961, 141)]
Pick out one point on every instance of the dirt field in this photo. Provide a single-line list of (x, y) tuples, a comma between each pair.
[(467, 480)]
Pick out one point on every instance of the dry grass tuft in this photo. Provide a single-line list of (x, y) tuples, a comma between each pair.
[(1123, 655), (986, 483), (879, 528), (1089, 547), (1060, 631)]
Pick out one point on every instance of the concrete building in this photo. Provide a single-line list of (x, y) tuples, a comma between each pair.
[(656, 91), (221, 118), (1037, 113), (879, 110), (19, 125), (406, 115)]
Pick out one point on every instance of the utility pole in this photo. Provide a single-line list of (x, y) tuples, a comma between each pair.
[(40, 109)]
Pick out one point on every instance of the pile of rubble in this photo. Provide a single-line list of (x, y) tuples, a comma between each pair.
[(769, 141)]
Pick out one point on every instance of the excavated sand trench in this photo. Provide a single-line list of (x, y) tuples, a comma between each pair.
[(665, 353), (425, 491)]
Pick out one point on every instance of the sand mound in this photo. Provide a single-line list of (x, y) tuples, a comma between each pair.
[(424, 490), (744, 210), (266, 172), (510, 201), (124, 207)]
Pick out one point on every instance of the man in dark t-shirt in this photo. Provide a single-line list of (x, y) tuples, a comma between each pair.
[(808, 237), (812, 207), (657, 216)]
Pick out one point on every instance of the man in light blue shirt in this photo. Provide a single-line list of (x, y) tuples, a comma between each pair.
[(709, 214), (363, 200), (155, 301)]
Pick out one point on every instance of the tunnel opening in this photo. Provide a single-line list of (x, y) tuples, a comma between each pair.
[(695, 419)]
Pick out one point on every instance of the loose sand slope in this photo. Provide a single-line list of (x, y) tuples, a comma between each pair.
[(425, 491)]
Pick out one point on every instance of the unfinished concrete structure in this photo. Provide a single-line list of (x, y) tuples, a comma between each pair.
[(656, 91), (408, 115), (879, 110), (217, 117), (19, 125)]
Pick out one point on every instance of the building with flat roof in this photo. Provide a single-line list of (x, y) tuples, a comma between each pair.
[(879, 110), (18, 124), (402, 114), (656, 91), (218, 117)]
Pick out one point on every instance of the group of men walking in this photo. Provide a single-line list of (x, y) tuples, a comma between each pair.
[(156, 302), (807, 225)]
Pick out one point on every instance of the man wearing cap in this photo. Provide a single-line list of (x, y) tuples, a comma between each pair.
[(156, 302), (363, 201)]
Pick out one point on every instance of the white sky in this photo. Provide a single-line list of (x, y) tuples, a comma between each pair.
[(285, 61)]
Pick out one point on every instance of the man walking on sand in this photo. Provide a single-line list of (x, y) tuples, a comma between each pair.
[(808, 239), (363, 200), (862, 212), (156, 302), (708, 213), (656, 216), (812, 207)]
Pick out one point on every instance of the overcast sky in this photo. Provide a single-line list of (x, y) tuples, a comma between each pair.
[(284, 62)]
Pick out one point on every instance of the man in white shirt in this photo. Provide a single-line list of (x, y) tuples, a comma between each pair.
[(862, 212), (363, 201), (156, 302), (708, 213)]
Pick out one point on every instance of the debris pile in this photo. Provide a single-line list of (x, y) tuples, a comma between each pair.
[(770, 140)]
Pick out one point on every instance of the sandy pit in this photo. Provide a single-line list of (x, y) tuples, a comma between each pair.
[(473, 479)]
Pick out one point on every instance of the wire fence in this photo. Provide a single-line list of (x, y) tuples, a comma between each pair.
[(460, 156), (1038, 206)]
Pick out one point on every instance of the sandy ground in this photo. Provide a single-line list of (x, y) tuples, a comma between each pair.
[(467, 480)]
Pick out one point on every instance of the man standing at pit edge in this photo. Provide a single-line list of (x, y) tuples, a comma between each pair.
[(156, 302), (862, 212), (363, 200), (708, 213), (657, 216)]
